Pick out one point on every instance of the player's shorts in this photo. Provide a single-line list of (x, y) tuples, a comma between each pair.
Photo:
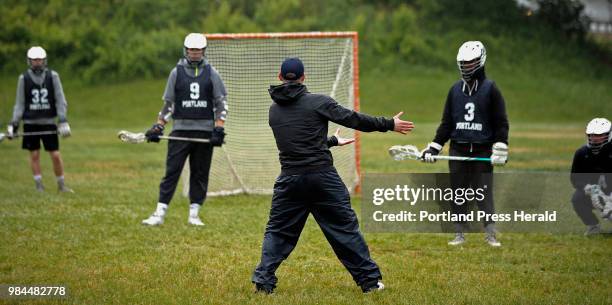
[(50, 141)]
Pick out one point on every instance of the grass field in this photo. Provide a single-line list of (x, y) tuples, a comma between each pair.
[(92, 241)]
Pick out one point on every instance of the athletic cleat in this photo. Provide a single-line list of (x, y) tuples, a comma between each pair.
[(39, 187), (195, 220), (261, 288), (492, 241), (153, 220), (458, 240), (64, 189), (378, 287), (593, 230)]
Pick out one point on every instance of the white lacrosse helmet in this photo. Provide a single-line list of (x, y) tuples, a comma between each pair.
[(598, 126), (471, 57), (194, 41), (37, 52)]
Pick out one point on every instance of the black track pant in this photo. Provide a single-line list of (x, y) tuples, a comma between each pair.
[(200, 156), (472, 174), (584, 208), (325, 196)]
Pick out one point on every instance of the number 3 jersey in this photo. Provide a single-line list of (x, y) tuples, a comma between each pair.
[(39, 98), (474, 117)]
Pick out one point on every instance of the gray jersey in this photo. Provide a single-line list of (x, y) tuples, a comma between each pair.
[(60, 99), (219, 102)]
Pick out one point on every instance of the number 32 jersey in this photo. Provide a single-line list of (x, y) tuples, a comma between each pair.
[(39, 99)]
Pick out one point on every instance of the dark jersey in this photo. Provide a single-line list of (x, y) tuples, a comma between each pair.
[(470, 114), (587, 168), (299, 121), (39, 99), (479, 118), (194, 95)]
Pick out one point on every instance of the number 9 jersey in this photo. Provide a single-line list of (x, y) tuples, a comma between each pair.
[(194, 95)]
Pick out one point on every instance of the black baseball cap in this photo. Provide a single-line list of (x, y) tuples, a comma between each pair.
[(292, 68)]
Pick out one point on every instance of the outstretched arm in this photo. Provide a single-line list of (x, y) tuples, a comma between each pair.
[(334, 112)]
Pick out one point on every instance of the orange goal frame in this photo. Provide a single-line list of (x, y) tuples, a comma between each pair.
[(352, 35)]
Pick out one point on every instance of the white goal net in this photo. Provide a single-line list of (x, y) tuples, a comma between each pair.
[(248, 65)]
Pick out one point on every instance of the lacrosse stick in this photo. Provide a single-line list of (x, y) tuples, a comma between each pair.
[(135, 138), (25, 134), (411, 152)]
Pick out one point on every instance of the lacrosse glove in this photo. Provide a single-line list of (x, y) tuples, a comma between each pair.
[(63, 128), (153, 134), (218, 134), (11, 130), (500, 154), (432, 149)]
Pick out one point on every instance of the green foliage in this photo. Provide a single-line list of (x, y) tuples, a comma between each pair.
[(114, 40), (228, 20), (566, 15)]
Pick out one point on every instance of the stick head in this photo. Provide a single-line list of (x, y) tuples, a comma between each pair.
[(404, 152), (2, 136), (131, 137)]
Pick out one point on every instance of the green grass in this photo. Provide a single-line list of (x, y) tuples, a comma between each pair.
[(92, 241)]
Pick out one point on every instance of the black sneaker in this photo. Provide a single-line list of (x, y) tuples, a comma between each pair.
[(261, 288), (373, 286)]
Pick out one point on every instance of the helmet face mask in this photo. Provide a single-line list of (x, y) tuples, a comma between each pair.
[(194, 55), (471, 58), (37, 59), (598, 133), (194, 47)]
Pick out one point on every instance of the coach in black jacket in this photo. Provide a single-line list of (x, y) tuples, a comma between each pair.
[(309, 183)]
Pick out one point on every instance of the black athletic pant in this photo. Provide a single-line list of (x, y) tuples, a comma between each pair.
[(472, 174), (584, 208), (200, 156), (325, 196)]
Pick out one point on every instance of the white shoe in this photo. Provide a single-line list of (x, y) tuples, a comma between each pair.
[(492, 241), (195, 220), (65, 189), (153, 220), (458, 240), (39, 186)]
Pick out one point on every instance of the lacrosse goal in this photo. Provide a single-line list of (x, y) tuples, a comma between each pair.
[(248, 65)]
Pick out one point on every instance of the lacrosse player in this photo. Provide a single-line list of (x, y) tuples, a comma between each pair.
[(475, 121), (591, 171), (195, 98), (40, 100), (309, 183)]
